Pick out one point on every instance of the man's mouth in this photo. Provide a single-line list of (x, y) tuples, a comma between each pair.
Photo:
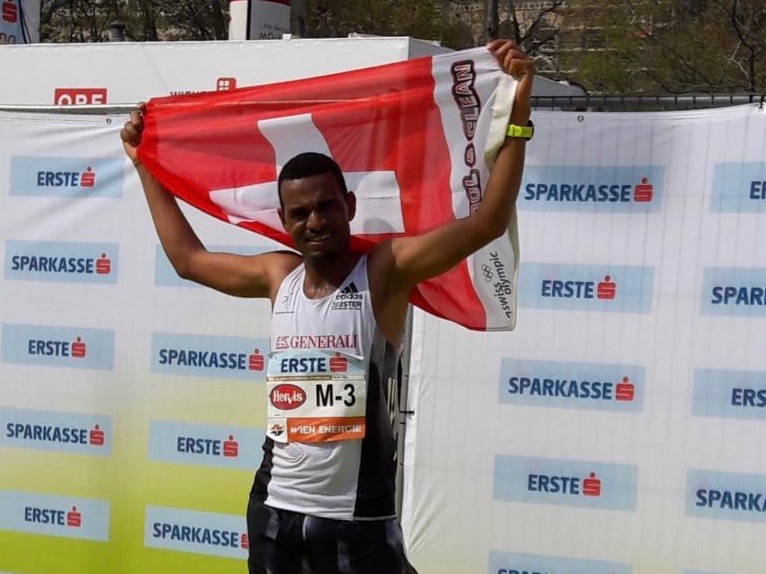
[(317, 239)]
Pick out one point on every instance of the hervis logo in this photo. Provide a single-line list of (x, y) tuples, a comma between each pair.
[(56, 431), (739, 187), (69, 347), (196, 532), (585, 484), (572, 385), (734, 291), (68, 177), (206, 445), (61, 262), (726, 496), (209, 356), (502, 562), (592, 189), (729, 394), (37, 513), (607, 288), (166, 276)]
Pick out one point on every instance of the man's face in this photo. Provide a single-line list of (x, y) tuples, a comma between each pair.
[(316, 214)]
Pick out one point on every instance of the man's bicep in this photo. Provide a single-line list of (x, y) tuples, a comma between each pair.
[(242, 275)]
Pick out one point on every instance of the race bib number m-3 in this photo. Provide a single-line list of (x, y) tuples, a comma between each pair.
[(315, 396)]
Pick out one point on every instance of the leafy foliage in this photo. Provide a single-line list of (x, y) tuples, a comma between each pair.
[(609, 46)]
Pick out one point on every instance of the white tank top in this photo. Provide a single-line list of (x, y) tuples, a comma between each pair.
[(347, 479)]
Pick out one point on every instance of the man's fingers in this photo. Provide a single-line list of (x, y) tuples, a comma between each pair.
[(517, 64), (130, 134)]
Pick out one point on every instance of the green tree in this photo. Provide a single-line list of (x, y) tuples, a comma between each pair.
[(674, 46), (425, 19), (144, 20)]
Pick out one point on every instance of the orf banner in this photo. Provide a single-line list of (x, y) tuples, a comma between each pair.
[(415, 141)]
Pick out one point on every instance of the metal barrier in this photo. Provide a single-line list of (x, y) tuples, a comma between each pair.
[(645, 103)]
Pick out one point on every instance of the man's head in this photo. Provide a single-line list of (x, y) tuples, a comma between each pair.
[(315, 206), (307, 164)]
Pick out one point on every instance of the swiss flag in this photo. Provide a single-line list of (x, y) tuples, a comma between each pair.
[(408, 136)]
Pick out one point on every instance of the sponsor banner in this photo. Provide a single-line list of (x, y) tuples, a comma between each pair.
[(209, 356), (606, 486), (195, 531), (699, 572), (607, 288), (726, 496), (590, 189), (515, 563), (69, 347), (166, 276), (572, 385), (56, 431), (223, 446), (72, 177), (734, 291), (729, 394), (79, 96), (739, 187), (64, 516), (61, 261), (315, 396)]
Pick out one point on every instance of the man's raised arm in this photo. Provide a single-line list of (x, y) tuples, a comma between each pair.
[(240, 275), (411, 260)]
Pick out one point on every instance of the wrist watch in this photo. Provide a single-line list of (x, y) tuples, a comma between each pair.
[(524, 132)]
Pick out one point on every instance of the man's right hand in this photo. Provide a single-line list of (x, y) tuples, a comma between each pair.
[(131, 133)]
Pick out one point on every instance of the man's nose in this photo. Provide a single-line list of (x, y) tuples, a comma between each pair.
[(315, 221)]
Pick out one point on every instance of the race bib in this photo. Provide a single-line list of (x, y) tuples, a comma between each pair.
[(315, 396)]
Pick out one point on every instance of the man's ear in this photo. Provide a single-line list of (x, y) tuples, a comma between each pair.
[(281, 217), (351, 203)]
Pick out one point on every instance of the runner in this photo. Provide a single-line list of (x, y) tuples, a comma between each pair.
[(323, 499)]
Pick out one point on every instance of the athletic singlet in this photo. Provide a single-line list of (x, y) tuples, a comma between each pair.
[(347, 479)]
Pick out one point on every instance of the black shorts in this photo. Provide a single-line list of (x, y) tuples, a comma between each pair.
[(285, 542)]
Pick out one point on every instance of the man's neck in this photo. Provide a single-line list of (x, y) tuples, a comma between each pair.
[(324, 277)]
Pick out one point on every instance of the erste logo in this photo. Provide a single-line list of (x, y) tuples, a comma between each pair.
[(74, 518), (256, 361), (338, 364), (643, 192), (79, 348), (607, 289), (96, 436), (625, 391), (10, 12), (230, 447)]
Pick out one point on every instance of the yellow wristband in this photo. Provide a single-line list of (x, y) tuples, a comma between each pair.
[(523, 132)]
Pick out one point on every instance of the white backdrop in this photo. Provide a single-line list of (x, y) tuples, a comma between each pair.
[(500, 450), (510, 431)]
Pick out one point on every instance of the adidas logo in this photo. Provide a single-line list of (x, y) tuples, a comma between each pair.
[(347, 298)]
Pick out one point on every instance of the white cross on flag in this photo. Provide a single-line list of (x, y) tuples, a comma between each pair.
[(415, 141)]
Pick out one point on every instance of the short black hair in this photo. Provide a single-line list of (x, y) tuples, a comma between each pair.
[(308, 164)]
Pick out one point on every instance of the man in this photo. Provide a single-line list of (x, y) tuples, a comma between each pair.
[(324, 503)]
